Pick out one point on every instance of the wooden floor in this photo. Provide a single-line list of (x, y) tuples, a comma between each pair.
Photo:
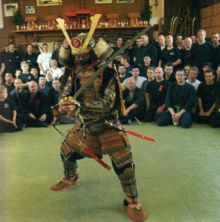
[(178, 178)]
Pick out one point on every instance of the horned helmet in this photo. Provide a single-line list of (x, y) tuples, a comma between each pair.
[(83, 43)]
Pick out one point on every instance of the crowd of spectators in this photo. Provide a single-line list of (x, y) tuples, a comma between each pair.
[(166, 81)]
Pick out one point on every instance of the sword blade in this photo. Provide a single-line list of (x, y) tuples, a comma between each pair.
[(102, 67)]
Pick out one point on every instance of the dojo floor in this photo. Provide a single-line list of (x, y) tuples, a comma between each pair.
[(178, 178)]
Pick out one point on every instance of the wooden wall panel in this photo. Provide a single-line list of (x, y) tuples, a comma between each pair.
[(210, 18)]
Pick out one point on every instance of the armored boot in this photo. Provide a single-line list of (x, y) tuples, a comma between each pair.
[(71, 176), (65, 184), (135, 211)]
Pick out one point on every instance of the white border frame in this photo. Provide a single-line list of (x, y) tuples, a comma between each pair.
[(10, 12), (51, 3)]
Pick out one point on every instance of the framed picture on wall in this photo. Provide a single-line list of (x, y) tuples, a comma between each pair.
[(10, 8), (48, 2), (103, 1), (124, 1), (29, 9)]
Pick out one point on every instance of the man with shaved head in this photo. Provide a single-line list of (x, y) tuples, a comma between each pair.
[(36, 107), (155, 95)]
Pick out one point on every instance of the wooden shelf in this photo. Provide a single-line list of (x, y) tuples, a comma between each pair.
[(52, 35), (76, 29)]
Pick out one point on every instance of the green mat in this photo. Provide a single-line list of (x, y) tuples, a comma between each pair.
[(178, 178)]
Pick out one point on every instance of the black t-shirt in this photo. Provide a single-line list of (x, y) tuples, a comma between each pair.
[(201, 54), (157, 91), (215, 57), (170, 55), (186, 57), (26, 77), (31, 59), (6, 108), (146, 50), (207, 93), (12, 62)]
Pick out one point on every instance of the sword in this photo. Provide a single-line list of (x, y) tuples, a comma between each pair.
[(120, 128), (87, 151), (106, 63)]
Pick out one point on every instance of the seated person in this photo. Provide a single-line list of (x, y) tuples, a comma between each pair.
[(155, 96), (9, 82), (215, 120), (150, 74), (25, 76), (179, 102), (55, 70), (206, 98), (205, 68), (145, 66), (49, 78), (19, 96), (192, 77), (35, 73), (122, 73), (17, 73), (168, 73), (8, 115), (134, 102), (187, 70), (36, 107), (140, 81), (42, 86), (124, 60)]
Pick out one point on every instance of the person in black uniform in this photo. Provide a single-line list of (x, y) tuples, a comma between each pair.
[(206, 98), (146, 49), (9, 82), (134, 102), (30, 56), (215, 50), (36, 107), (19, 96), (179, 102), (170, 54), (155, 96), (215, 120), (8, 115), (12, 59), (25, 76), (201, 52), (187, 52)]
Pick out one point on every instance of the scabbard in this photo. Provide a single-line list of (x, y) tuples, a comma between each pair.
[(140, 136), (93, 156)]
